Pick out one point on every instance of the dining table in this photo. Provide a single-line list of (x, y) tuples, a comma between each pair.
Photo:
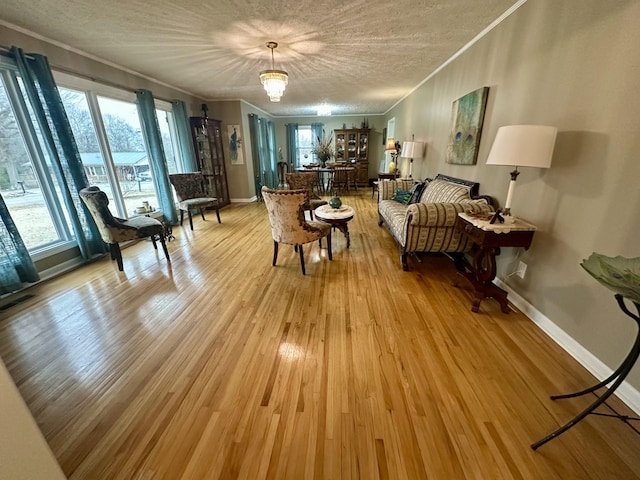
[(324, 175)]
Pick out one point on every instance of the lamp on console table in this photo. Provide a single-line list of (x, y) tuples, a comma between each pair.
[(522, 146), (393, 148)]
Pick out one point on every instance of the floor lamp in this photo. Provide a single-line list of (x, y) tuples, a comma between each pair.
[(522, 146), (412, 150)]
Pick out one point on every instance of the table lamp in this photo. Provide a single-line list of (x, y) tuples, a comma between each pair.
[(412, 150), (522, 146), (391, 150)]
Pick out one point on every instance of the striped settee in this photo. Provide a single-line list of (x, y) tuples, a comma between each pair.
[(429, 224)]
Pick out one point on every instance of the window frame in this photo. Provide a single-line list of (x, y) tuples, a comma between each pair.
[(91, 89), (37, 158)]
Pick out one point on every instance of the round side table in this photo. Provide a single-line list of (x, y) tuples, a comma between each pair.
[(337, 218)]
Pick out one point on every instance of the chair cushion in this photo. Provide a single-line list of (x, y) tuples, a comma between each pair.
[(146, 226), (199, 202), (322, 227)]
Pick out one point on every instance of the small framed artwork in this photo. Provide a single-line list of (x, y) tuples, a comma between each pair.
[(235, 144), (467, 117)]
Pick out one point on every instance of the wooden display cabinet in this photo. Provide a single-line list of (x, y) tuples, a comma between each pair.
[(352, 147), (207, 141)]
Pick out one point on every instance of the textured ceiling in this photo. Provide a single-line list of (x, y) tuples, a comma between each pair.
[(357, 57)]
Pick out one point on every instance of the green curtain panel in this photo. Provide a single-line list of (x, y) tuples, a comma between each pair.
[(157, 159), (255, 153), (183, 130), (292, 145), (263, 149), (60, 144), (16, 266)]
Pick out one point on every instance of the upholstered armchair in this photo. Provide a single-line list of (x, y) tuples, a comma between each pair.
[(189, 188), (114, 230), (306, 181), (288, 224)]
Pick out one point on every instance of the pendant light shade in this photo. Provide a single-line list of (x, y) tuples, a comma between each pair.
[(274, 81)]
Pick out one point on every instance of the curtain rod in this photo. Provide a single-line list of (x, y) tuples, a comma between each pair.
[(6, 51)]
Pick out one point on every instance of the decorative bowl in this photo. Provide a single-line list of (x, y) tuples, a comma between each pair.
[(620, 274)]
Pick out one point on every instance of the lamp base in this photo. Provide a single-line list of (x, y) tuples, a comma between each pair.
[(503, 216)]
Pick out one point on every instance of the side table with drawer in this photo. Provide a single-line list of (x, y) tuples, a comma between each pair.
[(488, 239)]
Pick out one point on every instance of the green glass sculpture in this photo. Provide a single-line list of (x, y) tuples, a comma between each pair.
[(335, 202), (620, 274)]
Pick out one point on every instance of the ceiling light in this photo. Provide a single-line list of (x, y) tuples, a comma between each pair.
[(274, 81), (324, 111)]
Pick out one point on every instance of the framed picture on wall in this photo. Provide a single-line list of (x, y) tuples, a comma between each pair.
[(235, 144), (467, 117)]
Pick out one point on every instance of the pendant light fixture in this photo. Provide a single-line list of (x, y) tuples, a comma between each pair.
[(274, 81)]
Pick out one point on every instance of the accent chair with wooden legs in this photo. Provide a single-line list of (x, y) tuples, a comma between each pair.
[(288, 224), (189, 188), (306, 181), (114, 230)]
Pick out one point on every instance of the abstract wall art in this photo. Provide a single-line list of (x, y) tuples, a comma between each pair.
[(467, 116)]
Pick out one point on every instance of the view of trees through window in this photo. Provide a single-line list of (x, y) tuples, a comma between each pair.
[(19, 183), (119, 165), (305, 143)]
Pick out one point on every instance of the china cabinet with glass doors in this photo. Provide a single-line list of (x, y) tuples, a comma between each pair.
[(207, 141), (352, 147)]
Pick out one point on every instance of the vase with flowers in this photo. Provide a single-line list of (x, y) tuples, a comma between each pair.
[(323, 148)]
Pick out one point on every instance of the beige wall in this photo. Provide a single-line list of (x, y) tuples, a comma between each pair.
[(60, 58), (576, 65)]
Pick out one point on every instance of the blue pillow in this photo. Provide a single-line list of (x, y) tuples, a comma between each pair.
[(401, 196)]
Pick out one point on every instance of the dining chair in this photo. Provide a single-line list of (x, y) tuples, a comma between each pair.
[(288, 223), (191, 195), (306, 181), (114, 230)]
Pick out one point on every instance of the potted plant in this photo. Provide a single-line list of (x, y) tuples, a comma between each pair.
[(323, 149)]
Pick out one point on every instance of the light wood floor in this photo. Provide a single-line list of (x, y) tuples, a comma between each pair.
[(222, 366)]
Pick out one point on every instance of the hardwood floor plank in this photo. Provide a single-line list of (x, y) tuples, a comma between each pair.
[(219, 365)]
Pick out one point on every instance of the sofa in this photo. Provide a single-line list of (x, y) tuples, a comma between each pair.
[(426, 221)]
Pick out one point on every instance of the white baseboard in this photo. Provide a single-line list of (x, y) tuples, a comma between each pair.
[(244, 200), (625, 392), (61, 268)]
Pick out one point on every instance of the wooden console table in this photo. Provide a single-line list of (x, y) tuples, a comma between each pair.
[(488, 239)]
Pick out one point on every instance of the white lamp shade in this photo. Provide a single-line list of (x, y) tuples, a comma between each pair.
[(523, 146), (412, 150)]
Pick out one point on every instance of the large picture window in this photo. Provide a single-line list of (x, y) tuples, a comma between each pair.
[(106, 127), (26, 183)]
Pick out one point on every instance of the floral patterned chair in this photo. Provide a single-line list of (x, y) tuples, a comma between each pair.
[(191, 195), (114, 230), (306, 181), (288, 225)]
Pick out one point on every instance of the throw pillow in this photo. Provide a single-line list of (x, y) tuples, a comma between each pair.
[(401, 196), (416, 191)]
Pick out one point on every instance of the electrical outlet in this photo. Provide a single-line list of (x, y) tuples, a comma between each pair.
[(522, 269)]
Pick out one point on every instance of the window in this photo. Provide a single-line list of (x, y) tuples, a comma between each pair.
[(26, 182), (106, 127), (305, 142)]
